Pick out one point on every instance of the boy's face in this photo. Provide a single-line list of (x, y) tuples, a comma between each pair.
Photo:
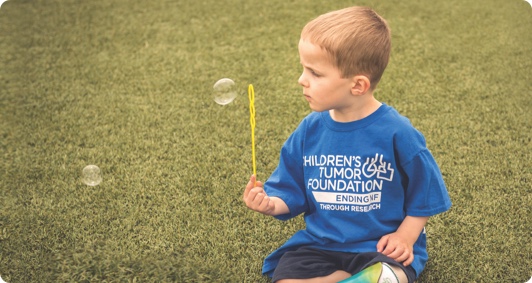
[(323, 85)]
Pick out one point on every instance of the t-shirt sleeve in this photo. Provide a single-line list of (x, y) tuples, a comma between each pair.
[(426, 194), (287, 182)]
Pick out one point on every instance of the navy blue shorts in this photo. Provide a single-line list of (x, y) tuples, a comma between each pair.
[(306, 262)]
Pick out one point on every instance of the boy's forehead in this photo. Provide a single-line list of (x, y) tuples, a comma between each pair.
[(312, 51), (305, 41), (308, 47)]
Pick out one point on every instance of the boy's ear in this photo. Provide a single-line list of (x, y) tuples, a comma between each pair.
[(361, 85)]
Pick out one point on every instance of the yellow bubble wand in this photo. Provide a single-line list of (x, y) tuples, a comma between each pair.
[(251, 96)]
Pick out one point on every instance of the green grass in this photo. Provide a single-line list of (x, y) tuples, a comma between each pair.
[(126, 85)]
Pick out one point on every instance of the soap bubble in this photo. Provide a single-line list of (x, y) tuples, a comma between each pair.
[(91, 175), (224, 91)]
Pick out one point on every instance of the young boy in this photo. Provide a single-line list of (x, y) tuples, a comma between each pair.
[(359, 171)]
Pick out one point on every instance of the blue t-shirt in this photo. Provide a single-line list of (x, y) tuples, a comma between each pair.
[(355, 182)]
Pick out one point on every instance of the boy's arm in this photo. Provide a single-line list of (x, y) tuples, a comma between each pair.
[(256, 199), (400, 244)]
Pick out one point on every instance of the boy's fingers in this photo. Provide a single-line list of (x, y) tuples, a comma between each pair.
[(249, 186), (382, 243), (409, 260), (398, 254), (388, 251), (258, 203), (403, 258), (253, 196), (265, 200)]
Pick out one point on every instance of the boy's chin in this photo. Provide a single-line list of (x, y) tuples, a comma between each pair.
[(316, 109), (313, 107)]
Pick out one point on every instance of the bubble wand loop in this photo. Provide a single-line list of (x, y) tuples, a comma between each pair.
[(251, 96)]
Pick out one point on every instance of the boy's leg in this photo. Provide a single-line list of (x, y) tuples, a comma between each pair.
[(401, 275), (308, 263), (333, 278), (379, 272), (364, 260)]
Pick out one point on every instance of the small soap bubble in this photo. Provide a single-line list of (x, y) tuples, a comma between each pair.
[(224, 91), (91, 175)]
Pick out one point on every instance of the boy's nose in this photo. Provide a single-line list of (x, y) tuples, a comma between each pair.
[(301, 81)]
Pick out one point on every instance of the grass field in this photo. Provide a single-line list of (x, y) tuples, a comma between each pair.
[(126, 85)]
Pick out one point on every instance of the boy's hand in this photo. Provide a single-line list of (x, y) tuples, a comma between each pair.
[(397, 247), (256, 198)]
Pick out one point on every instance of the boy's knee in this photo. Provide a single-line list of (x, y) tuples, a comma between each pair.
[(393, 271), (380, 272)]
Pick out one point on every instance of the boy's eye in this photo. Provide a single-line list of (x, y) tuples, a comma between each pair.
[(314, 73)]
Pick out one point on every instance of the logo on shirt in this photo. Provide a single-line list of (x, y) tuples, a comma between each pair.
[(348, 183)]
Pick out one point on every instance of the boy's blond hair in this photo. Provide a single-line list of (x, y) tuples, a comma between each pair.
[(357, 39)]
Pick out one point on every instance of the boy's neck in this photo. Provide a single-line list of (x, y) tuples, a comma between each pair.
[(361, 108)]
